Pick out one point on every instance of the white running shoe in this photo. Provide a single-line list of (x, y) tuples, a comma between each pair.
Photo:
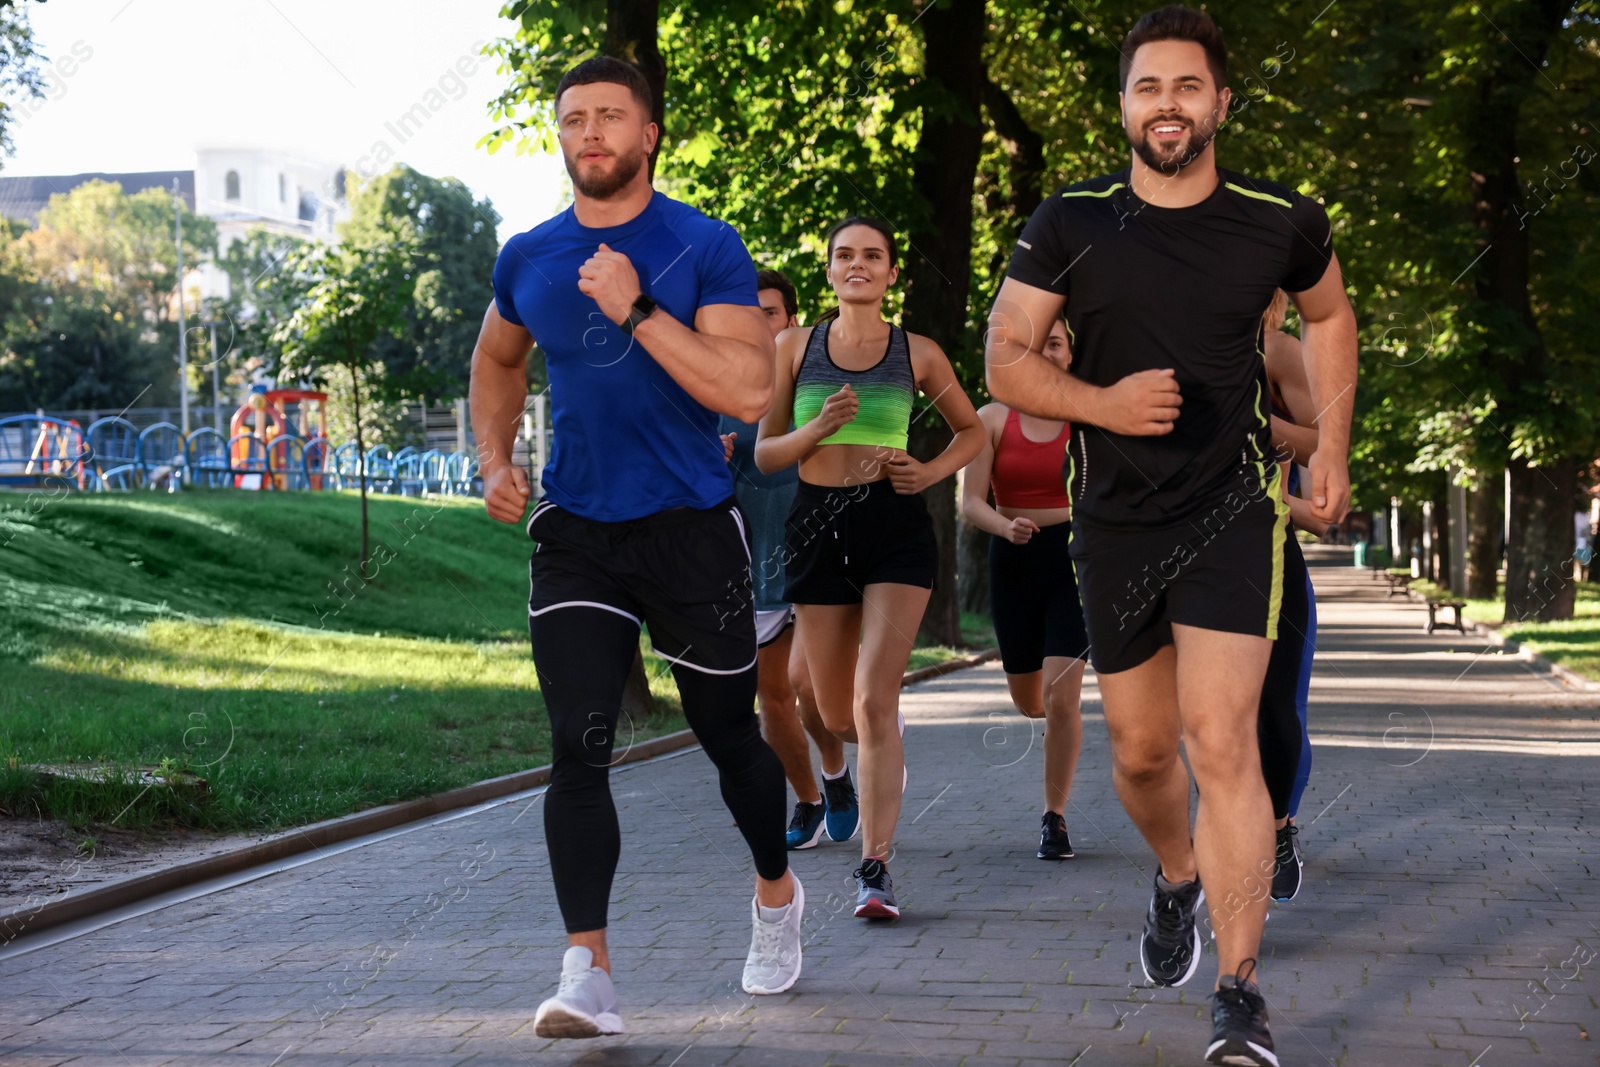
[(586, 1003), (774, 961)]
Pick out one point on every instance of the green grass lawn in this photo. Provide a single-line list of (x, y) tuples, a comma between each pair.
[(1574, 643), (230, 634)]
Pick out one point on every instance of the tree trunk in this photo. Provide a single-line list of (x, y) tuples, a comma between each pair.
[(637, 701), (939, 249), (361, 463), (1441, 541), (631, 35), (1541, 498), (941, 623), (1539, 585), (1484, 507), (972, 565)]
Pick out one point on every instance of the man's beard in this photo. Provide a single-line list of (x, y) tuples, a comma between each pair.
[(1172, 163), (599, 185)]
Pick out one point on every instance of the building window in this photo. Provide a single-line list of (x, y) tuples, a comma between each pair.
[(283, 189), (231, 185)]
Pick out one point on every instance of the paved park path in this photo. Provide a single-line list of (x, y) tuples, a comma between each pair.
[(1450, 916)]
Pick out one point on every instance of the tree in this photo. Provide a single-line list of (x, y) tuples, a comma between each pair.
[(360, 297), (19, 68), (1474, 207), (453, 236), (116, 254)]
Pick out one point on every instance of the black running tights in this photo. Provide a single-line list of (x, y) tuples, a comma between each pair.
[(1278, 726), (583, 656)]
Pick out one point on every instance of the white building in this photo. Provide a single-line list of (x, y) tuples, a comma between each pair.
[(238, 188), (247, 188)]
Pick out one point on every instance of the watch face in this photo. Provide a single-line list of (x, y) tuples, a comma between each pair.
[(644, 305)]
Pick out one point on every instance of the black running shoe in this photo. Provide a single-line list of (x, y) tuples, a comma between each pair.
[(1053, 841), (1169, 950), (1286, 878), (1239, 1032)]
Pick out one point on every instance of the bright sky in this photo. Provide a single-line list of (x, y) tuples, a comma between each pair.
[(318, 78)]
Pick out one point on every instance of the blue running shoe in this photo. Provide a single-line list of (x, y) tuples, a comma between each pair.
[(844, 810), (805, 829)]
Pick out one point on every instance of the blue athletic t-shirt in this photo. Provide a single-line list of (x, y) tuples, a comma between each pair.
[(629, 441)]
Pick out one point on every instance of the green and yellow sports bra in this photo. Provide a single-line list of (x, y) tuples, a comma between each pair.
[(883, 389)]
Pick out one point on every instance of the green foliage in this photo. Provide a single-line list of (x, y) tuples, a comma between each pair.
[(19, 66), (87, 299), (453, 248)]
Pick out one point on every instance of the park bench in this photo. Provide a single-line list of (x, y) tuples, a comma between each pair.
[(1399, 584), (1454, 605)]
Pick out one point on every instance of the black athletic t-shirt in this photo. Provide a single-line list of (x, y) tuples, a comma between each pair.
[(1149, 288)]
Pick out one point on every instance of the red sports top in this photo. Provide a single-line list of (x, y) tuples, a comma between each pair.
[(1028, 474)]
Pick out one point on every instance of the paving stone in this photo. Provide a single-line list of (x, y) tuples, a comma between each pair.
[(1439, 883)]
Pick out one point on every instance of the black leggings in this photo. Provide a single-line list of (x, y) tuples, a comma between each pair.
[(1278, 727), (583, 656)]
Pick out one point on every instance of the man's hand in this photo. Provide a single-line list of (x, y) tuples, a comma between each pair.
[(837, 410), (1330, 486), (609, 278), (907, 475), (1021, 531), (505, 492), (1141, 405), (727, 446)]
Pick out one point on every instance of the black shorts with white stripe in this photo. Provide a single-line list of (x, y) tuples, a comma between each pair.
[(684, 572)]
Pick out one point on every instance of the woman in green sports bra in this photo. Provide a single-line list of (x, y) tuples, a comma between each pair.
[(859, 536)]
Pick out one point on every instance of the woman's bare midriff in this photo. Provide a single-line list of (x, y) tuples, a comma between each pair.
[(1041, 517), (843, 465)]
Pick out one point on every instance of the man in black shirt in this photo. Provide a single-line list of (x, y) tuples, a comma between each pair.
[(1164, 270)]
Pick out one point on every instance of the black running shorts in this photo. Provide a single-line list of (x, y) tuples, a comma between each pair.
[(1033, 599), (841, 539), (1221, 570), (685, 572)]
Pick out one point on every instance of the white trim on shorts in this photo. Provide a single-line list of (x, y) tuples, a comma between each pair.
[(697, 667), (770, 625), (584, 604)]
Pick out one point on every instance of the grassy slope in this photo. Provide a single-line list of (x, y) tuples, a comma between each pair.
[(1574, 643), (230, 632), (202, 629)]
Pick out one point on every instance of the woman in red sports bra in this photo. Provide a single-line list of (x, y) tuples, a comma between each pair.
[(1033, 593)]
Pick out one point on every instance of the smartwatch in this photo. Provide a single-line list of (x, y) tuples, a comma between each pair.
[(642, 309)]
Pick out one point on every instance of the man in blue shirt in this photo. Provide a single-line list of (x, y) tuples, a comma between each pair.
[(646, 312)]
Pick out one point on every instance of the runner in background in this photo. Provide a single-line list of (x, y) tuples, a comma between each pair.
[(1033, 594), (1284, 737)]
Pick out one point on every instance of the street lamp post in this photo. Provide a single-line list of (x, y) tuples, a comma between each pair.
[(183, 341)]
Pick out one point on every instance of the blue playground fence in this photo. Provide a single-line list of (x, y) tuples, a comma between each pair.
[(114, 455)]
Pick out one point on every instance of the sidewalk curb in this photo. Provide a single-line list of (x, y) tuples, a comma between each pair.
[(91, 901), (1491, 634)]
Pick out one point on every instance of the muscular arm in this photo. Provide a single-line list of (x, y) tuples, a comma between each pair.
[(497, 394), (975, 506), (1020, 377), (725, 362), (1328, 346)]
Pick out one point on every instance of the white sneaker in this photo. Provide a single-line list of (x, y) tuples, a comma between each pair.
[(774, 961), (586, 1003)]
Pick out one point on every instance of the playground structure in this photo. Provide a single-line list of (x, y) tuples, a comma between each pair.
[(38, 451)]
